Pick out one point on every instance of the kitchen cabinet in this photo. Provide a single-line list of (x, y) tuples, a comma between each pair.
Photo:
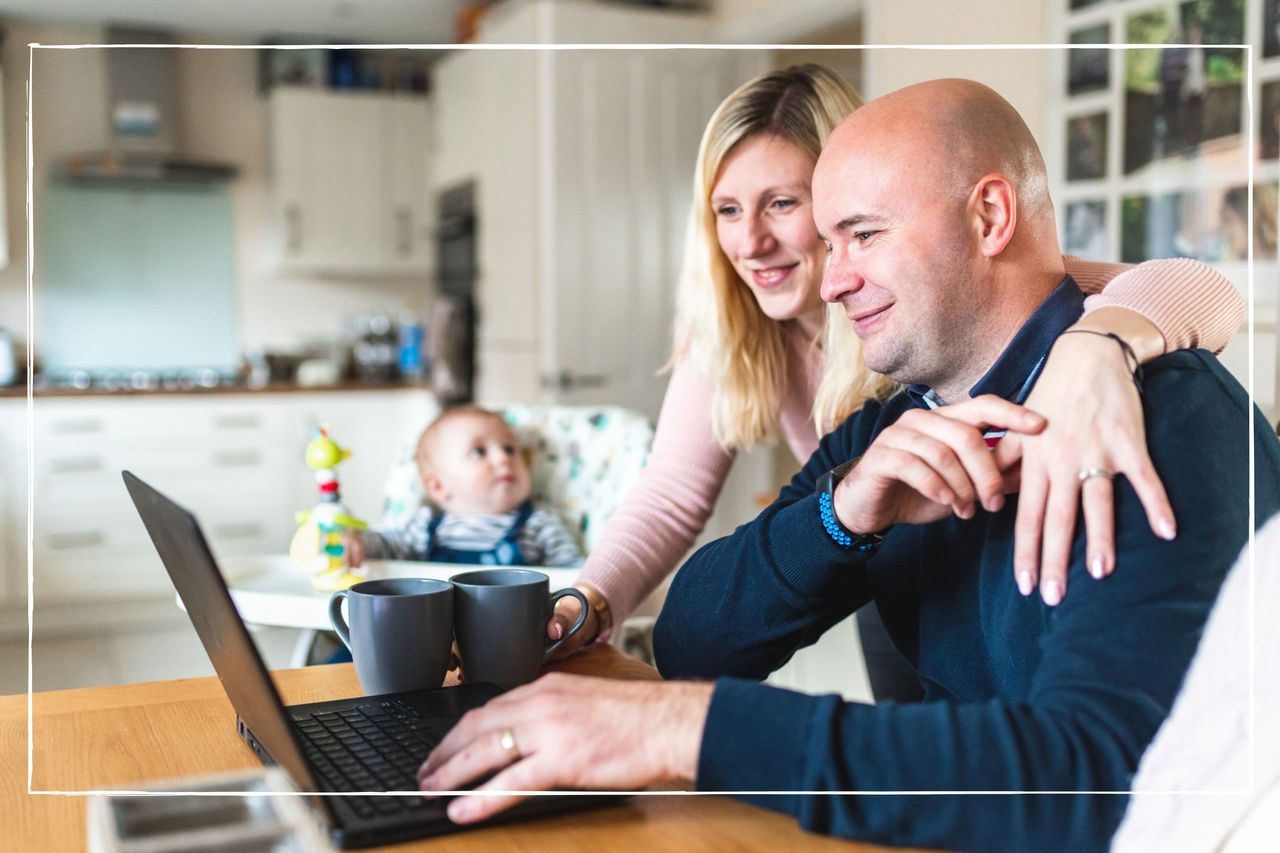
[(583, 163), (350, 181), (236, 460)]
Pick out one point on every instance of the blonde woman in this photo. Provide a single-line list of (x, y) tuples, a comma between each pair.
[(758, 356)]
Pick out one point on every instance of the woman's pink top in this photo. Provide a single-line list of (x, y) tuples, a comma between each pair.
[(1191, 304)]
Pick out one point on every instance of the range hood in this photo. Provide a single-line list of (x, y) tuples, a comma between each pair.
[(143, 137)]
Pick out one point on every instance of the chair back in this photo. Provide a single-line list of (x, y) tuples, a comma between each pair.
[(582, 459)]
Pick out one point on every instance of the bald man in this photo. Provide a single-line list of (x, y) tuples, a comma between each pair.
[(944, 254)]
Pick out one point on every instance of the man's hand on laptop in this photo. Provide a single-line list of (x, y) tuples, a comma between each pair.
[(569, 732), (931, 464)]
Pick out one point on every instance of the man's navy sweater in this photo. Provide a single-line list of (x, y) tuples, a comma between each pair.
[(1019, 696)]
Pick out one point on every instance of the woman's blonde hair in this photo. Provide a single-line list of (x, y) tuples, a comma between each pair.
[(719, 324)]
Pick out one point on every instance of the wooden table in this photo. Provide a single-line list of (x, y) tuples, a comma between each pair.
[(109, 737)]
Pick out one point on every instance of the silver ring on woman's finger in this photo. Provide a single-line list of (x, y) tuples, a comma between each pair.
[(508, 741), (1086, 473)]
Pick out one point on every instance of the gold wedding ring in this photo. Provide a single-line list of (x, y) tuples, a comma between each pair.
[(1086, 473), (508, 741)]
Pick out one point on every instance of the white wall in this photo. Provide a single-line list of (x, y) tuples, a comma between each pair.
[(78, 125), (1018, 75), (223, 118), (780, 21)]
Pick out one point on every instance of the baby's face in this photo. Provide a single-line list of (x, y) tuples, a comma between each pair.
[(477, 467)]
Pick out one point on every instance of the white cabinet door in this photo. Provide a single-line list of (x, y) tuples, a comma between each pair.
[(349, 176), (295, 116), (407, 239), (486, 133), (626, 126), (509, 292)]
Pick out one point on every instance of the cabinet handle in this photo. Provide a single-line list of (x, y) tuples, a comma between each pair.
[(78, 539), (567, 380), (75, 465), (292, 228), (75, 426), (236, 458), (241, 530), (404, 231), (236, 422)]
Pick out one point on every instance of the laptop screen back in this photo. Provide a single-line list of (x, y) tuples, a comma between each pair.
[(190, 564)]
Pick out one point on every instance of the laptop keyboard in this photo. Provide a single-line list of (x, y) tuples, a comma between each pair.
[(375, 746)]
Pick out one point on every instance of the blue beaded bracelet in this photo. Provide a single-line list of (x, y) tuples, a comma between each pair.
[(863, 542), (829, 521)]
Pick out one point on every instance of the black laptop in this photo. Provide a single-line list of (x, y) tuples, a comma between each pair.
[(373, 743)]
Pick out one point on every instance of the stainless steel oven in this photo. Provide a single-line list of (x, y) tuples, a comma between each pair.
[(451, 338)]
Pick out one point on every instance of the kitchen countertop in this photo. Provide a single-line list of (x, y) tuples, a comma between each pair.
[(20, 391)]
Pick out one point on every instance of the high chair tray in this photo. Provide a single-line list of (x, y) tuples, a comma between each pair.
[(269, 589)]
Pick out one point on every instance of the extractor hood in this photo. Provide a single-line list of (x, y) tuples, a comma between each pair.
[(143, 137)]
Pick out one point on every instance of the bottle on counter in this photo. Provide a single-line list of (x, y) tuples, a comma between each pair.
[(412, 352), (257, 372)]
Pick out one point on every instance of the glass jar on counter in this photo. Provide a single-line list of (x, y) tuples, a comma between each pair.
[(375, 349)]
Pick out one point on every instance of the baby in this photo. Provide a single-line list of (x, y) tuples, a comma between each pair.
[(472, 470)]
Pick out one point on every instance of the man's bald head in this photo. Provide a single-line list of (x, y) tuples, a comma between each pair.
[(950, 133)]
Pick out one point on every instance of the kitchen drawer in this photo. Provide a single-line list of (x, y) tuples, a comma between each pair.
[(106, 555), (13, 426), (77, 555), (119, 525), (259, 493), (264, 518), (114, 573), (228, 463), (182, 418), (101, 573)]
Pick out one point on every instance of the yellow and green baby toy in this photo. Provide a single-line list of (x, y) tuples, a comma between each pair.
[(317, 546)]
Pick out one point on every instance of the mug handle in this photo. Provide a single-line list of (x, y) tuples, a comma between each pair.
[(582, 618), (335, 617)]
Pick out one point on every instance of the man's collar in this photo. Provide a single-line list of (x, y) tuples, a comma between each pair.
[(1015, 371)]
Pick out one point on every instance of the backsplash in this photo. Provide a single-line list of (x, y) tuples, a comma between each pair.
[(135, 277)]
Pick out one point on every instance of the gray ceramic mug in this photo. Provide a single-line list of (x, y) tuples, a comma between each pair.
[(500, 618), (400, 634)]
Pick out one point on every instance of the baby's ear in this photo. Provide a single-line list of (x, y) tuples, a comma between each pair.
[(434, 488)]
